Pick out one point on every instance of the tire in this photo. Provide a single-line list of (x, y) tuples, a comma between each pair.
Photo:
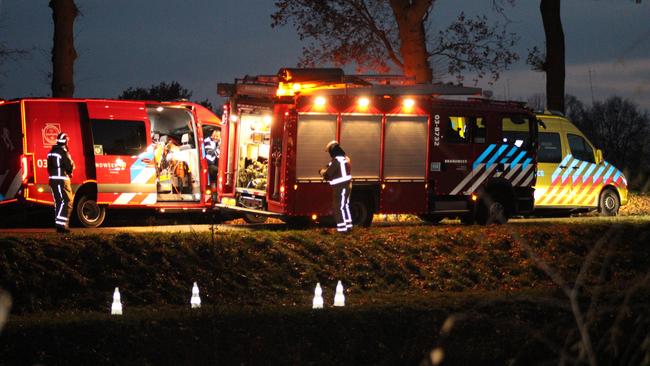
[(609, 203), (492, 210), (361, 213), (89, 213), (254, 219), (430, 219)]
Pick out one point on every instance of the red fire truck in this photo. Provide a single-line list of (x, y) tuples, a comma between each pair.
[(128, 154), (417, 149)]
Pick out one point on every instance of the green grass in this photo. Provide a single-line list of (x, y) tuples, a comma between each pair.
[(402, 283), (47, 272)]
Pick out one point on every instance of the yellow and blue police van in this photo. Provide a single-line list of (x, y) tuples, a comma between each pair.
[(572, 175)]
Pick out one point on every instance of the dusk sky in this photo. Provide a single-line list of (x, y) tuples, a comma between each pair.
[(126, 43)]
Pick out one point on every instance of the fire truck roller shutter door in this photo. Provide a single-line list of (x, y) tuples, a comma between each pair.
[(314, 132), (405, 164), (361, 136)]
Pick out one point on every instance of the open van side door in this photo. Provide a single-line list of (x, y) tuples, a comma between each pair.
[(125, 170)]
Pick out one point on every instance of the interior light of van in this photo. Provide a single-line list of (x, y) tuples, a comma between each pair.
[(363, 102), (314, 217), (408, 103), (208, 192), (320, 101), (474, 197), (40, 189), (295, 187), (159, 109)]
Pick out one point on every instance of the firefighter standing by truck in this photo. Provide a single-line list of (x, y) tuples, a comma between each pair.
[(59, 168), (337, 173)]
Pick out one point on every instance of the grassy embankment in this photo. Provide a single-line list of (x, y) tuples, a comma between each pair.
[(402, 283)]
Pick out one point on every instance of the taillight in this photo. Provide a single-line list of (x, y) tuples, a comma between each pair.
[(25, 164)]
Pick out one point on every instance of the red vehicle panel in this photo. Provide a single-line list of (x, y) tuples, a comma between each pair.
[(130, 154), (412, 151)]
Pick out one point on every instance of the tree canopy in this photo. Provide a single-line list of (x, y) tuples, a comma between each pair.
[(621, 129), (162, 92), (396, 34)]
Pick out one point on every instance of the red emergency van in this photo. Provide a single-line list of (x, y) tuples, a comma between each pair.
[(128, 154), (416, 149)]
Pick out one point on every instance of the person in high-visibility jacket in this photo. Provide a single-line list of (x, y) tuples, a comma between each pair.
[(60, 167), (338, 174), (212, 147)]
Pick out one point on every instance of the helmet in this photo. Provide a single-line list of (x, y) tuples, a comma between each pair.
[(62, 139), (330, 145)]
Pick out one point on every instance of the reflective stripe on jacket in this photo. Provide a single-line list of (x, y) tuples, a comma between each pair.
[(338, 170), (59, 163), (211, 148)]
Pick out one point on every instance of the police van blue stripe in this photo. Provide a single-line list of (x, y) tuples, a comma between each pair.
[(519, 157), (567, 172), (599, 172), (609, 172), (558, 170), (526, 163), (496, 156), (509, 155), (483, 155), (576, 175), (588, 172)]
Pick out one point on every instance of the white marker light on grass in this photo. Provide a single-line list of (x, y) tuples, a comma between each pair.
[(195, 301), (116, 308), (317, 303), (339, 298)]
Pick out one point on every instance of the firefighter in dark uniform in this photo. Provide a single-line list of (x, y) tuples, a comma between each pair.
[(212, 147), (338, 174), (59, 168)]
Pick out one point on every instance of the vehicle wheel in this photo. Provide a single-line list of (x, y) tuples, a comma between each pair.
[(89, 213), (361, 213), (491, 211), (254, 219), (609, 203), (430, 219)]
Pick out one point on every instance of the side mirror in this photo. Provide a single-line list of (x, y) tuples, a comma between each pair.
[(599, 156)]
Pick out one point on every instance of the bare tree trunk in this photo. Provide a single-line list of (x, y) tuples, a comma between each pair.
[(410, 15), (64, 55), (555, 63)]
